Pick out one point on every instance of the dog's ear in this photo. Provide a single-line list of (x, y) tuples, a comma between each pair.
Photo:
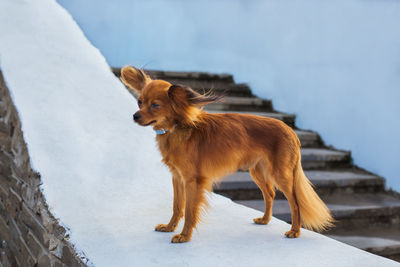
[(182, 95), (178, 94), (134, 78)]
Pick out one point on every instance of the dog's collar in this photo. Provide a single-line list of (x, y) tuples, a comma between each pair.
[(161, 132)]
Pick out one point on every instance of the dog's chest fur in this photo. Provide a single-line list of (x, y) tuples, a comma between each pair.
[(174, 145)]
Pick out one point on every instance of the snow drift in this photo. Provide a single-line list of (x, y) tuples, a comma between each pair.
[(102, 174)]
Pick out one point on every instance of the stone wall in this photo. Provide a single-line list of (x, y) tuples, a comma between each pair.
[(29, 234)]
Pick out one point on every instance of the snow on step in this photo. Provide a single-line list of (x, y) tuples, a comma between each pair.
[(102, 174)]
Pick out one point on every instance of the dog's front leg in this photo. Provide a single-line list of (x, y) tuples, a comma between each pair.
[(194, 199), (179, 205)]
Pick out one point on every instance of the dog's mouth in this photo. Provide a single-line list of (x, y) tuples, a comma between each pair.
[(154, 121)]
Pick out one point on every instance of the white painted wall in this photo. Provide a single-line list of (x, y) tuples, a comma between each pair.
[(336, 64)]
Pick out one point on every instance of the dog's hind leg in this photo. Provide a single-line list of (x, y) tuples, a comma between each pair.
[(258, 173), (179, 205), (287, 189)]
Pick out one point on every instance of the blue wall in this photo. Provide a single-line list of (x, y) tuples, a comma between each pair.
[(336, 64)]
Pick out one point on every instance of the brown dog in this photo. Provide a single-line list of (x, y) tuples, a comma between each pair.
[(199, 147)]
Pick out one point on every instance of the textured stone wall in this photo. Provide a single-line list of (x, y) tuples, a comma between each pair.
[(29, 234)]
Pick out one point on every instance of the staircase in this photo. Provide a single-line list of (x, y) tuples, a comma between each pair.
[(368, 216)]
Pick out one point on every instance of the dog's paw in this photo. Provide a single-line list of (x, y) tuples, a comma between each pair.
[(180, 238), (261, 220), (292, 234), (164, 228)]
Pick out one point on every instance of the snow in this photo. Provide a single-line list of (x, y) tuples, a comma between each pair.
[(102, 174)]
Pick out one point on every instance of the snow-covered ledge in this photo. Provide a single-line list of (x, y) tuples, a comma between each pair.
[(102, 175), (29, 233)]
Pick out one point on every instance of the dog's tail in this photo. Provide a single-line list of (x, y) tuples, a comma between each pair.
[(314, 214)]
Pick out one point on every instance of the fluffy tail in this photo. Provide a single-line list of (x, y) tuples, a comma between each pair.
[(314, 214)]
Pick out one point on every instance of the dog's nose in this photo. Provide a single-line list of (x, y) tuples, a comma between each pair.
[(136, 117)]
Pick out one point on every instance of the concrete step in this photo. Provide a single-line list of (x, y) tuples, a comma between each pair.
[(383, 241), (200, 81), (232, 103), (380, 246), (289, 119), (309, 138), (240, 186), (322, 158), (351, 211)]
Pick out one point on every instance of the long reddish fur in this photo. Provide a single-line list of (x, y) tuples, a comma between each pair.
[(201, 147)]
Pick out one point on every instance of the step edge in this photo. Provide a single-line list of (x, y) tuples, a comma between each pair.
[(340, 183)]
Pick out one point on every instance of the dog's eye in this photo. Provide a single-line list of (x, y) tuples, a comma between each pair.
[(154, 105), (139, 103)]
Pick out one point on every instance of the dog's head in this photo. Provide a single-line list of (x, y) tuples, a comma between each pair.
[(161, 104)]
